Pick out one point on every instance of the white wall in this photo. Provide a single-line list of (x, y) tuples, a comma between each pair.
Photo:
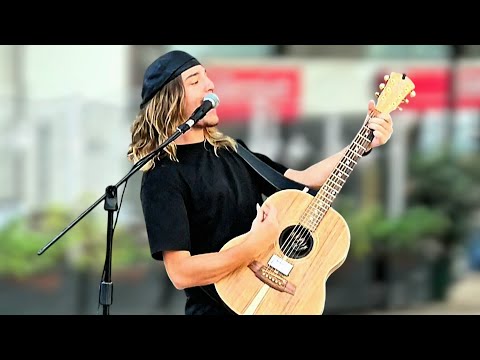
[(97, 72), (7, 87), (81, 94)]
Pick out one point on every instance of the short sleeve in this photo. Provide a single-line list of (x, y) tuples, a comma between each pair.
[(164, 211)]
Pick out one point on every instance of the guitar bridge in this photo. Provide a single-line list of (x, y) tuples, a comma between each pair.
[(280, 265), (270, 277)]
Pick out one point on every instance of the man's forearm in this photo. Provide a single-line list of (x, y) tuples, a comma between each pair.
[(315, 175)]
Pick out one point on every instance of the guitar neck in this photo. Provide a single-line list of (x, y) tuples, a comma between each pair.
[(322, 202)]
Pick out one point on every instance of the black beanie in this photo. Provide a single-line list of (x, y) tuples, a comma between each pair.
[(163, 70)]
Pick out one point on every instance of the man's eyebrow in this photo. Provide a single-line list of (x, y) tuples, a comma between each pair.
[(192, 75)]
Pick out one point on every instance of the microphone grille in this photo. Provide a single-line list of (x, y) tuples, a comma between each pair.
[(213, 99)]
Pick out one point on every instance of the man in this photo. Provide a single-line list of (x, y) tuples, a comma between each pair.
[(199, 193)]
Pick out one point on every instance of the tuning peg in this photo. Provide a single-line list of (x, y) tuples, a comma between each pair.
[(386, 78), (405, 101), (377, 94), (381, 86), (413, 94), (400, 109)]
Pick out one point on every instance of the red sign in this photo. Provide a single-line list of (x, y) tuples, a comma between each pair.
[(246, 92), (435, 89), (468, 87), (432, 88)]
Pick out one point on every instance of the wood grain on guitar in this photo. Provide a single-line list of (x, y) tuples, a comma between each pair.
[(290, 278)]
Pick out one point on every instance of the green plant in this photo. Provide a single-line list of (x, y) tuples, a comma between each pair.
[(407, 231), (371, 229), (361, 223), (83, 247), (20, 241), (450, 186), (87, 249)]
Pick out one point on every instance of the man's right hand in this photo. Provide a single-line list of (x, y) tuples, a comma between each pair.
[(264, 231)]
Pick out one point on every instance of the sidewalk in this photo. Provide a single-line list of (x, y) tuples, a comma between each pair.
[(463, 299)]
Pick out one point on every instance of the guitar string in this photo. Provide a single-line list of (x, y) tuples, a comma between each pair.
[(295, 235), (359, 141), (296, 243)]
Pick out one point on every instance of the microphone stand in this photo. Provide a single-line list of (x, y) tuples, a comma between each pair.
[(111, 205)]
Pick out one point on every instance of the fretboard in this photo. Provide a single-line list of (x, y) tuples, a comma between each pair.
[(322, 202)]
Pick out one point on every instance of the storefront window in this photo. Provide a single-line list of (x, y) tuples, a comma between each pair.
[(434, 52), (227, 50)]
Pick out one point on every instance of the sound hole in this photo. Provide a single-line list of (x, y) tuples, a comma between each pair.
[(296, 242)]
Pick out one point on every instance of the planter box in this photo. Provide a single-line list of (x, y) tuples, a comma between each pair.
[(349, 287), (139, 290), (52, 293), (407, 280)]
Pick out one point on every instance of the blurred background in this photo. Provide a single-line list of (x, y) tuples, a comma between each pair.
[(412, 205)]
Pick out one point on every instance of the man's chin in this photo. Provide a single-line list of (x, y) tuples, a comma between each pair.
[(204, 124), (208, 122), (212, 119)]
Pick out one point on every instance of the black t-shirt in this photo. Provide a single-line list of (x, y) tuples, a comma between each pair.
[(200, 203)]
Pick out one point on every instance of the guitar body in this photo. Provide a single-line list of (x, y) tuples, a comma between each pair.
[(325, 251)]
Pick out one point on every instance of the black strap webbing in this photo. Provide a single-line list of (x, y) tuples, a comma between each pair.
[(279, 181)]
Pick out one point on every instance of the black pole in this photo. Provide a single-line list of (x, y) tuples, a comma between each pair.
[(111, 206), (106, 285), (457, 52), (281, 50)]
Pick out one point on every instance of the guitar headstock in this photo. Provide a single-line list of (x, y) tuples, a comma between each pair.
[(394, 92)]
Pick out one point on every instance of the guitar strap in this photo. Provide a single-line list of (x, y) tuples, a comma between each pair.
[(277, 180)]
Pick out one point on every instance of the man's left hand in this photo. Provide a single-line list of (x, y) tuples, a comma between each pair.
[(382, 127)]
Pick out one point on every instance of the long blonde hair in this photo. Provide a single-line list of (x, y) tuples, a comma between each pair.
[(159, 120)]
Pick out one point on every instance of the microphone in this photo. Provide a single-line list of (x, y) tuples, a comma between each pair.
[(210, 101)]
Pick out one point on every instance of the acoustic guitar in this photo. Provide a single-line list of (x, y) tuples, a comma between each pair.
[(290, 277)]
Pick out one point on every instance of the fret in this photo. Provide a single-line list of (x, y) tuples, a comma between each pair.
[(317, 210), (344, 167), (339, 178), (318, 205), (348, 161), (317, 214), (312, 220), (331, 195), (335, 191), (325, 199), (346, 174), (357, 154), (325, 196), (310, 227), (324, 206), (330, 180), (348, 167), (354, 160), (328, 192), (364, 148), (363, 137)]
